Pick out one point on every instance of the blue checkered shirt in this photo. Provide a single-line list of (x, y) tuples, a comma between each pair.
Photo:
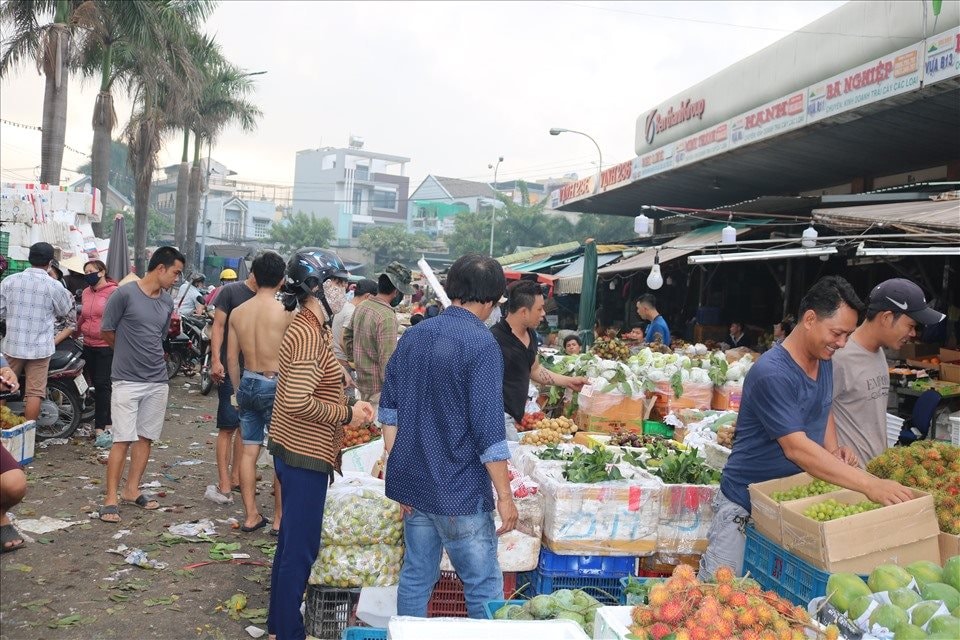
[(31, 302)]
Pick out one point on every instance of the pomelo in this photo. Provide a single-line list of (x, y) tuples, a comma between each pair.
[(941, 591), (888, 616), (844, 588)]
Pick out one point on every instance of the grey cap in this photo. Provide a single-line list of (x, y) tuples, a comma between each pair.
[(902, 296)]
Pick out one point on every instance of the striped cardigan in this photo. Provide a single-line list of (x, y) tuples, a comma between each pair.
[(310, 408)]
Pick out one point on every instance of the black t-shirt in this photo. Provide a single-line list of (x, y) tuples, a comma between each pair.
[(230, 297), (517, 362)]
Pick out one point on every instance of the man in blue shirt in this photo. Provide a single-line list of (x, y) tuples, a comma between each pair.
[(442, 414), (785, 425), (647, 309)]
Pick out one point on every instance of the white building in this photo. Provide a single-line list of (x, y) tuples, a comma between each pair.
[(351, 187), (232, 220)]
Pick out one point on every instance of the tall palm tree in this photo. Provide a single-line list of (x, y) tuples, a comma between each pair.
[(223, 101), (51, 45), (131, 29)]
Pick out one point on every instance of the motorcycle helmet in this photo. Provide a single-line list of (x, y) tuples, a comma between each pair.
[(328, 258), (306, 272), (228, 274), (197, 278)]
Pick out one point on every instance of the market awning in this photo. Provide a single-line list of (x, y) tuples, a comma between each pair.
[(538, 252), (570, 278), (676, 248), (539, 264), (932, 214)]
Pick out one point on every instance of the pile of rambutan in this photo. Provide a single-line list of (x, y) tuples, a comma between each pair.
[(683, 608), (929, 466)]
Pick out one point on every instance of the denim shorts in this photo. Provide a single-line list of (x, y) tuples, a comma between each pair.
[(227, 418), (255, 397)]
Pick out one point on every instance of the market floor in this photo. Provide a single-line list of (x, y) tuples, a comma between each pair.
[(67, 585)]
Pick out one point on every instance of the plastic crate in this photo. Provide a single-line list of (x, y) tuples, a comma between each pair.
[(630, 598), (494, 605), (329, 612), (606, 590), (4, 242), (15, 266), (776, 569), (448, 601), (557, 565), (364, 633)]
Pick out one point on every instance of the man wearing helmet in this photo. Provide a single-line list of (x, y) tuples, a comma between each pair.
[(187, 295), (306, 430), (227, 276)]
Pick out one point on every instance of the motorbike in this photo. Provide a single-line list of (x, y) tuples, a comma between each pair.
[(187, 347), (68, 394)]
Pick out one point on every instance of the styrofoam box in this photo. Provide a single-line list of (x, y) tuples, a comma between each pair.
[(612, 623), (955, 429), (409, 628), (20, 441)]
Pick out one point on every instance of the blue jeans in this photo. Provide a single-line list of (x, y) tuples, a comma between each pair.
[(255, 396), (304, 494), (471, 543), (227, 416)]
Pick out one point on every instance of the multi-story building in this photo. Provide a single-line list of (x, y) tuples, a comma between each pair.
[(351, 187), (234, 220), (436, 202)]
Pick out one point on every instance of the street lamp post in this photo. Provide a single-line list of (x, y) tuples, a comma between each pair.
[(493, 212), (557, 131)]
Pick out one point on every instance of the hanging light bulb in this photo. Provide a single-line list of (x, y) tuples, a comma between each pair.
[(641, 226), (655, 279), (728, 235), (809, 237)]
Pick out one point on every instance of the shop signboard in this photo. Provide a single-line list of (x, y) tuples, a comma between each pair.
[(702, 145), (573, 190), (769, 120), (654, 162), (942, 57), (893, 74), (616, 175)]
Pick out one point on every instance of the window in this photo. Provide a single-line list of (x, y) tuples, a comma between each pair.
[(357, 200), (362, 172), (231, 224), (384, 199), (261, 228)]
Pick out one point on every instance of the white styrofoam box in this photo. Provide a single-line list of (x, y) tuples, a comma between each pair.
[(955, 429), (612, 623), (408, 628), (20, 441)]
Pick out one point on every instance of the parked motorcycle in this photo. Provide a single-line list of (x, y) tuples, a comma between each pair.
[(68, 394)]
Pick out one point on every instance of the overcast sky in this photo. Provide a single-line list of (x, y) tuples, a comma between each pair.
[(451, 85)]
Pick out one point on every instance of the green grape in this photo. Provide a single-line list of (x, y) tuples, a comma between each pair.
[(831, 509), (815, 488)]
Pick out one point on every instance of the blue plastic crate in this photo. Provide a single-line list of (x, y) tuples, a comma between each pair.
[(606, 590), (776, 569), (492, 607), (556, 565), (364, 633), (526, 584)]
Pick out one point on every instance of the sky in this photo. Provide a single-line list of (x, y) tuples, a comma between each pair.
[(451, 85)]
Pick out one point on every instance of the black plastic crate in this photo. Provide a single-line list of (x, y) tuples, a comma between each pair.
[(330, 611)]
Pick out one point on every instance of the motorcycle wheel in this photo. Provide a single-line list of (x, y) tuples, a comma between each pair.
[(64, 394), (206, 382), (174, 362)]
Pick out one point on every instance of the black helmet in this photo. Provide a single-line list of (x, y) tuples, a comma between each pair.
[(306, 271), (328, 259)]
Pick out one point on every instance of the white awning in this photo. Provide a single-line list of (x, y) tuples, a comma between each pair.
[(938, 214), (570, 278), (677, 248)]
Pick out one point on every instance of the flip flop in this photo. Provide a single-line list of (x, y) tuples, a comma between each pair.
[(110, 510), (9, 533), (142, 502), (260, 525), (275, 532)]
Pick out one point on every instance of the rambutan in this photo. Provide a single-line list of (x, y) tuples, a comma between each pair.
[(786, 634), (725, 628), (684, 571), (832, 632), (640, 633), (779, 625), (800, 615), (738, 599), (747, 617), (658, 595), (659, 630), (749, 634), (728, 615), (682, 634), (642, 615), (724, 591), (767, 634), (670, 613), (698, 633), (724, 575), (765, 615)]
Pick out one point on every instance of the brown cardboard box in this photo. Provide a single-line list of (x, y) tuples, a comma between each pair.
[(950, 371), (765, 511), (917, 350), (949, 355), (898, 534), (920, 364), (949, 546)]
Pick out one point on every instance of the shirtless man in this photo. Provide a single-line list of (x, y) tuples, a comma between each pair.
[(256, 330)]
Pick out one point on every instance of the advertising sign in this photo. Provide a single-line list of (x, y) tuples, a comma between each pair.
[(572, 191), (702, 145), (654, 162), (898, 72), (769, 120), (616, 175), (942, 58)]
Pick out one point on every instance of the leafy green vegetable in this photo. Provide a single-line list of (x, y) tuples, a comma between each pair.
[(597, 466), (686, 468)]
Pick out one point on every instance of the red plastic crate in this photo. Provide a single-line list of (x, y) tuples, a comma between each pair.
[(448, 600)]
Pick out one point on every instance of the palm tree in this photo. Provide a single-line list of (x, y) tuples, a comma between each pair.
[(222, 102), (51, 44), (129, 29)]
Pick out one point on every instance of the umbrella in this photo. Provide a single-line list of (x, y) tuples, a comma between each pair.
[(588, 294), (118, 255), (242, 270)]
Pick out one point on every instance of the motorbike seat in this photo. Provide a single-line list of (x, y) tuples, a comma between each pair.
[(59, 359)]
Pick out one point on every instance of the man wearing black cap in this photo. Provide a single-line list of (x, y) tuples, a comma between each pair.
[(861, 379), (30, 302)]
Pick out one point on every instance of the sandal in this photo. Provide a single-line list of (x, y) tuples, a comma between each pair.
[(109, 510), (260, 525), (8, 534), (142, 502)]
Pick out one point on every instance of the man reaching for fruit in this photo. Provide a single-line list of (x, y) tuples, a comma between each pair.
[(786, 426), (517, 339)]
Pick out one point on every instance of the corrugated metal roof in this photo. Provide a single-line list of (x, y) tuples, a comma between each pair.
[(570, 278), (935, 214), (676, 248), (458, 188), (538, 252)]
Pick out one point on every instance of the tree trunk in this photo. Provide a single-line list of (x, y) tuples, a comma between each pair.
[(141, 207), (193, 206), (104, 119), (55, 58), (183, 180)]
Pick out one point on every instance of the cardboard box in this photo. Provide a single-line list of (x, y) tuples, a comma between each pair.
[(920, 364), (898, 534), (917, 350), (949, 355), (949, 546), (950, 371), (20, 441), (765, 511)]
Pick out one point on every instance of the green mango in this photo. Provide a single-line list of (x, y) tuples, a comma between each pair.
[(844, 588), (888, 616), (909, 632), (945, 624), (858, 607), (943, 592), (951, 572), (921, 613), (925, 571), (888, 577), (904, 598)]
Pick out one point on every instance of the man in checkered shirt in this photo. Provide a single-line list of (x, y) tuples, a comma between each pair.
[(30, 303)]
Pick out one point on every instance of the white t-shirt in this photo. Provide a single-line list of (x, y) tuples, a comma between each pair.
[(861, 383)]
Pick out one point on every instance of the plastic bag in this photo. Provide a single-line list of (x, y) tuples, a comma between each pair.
[(375, 565), (358, 513)]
